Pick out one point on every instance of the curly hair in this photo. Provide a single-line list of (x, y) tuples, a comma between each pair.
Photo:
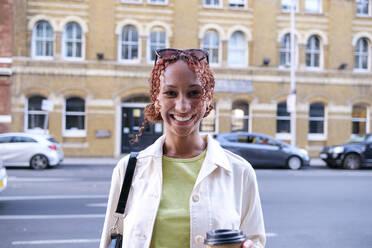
[(203, 73)]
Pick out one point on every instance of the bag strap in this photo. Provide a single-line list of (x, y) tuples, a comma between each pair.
[(127, 183)]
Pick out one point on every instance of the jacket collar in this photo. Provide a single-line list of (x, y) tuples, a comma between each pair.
[(215, 153)]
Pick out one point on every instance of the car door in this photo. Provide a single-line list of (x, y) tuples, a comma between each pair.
[(368, 151), (22, 149), (247, 147), (271, 152), (5, 149)]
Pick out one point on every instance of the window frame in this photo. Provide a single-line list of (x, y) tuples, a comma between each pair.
[(363, 14), (28, 112), (245, 5), (44, 40), (246, 117), (360, 54), (313, 52), (120, 46), (288, 50), (156, 2), (244, 49), (73, 133), (318, 136), (148, 50), (366, 120), (82, 41), (282, 135), (213, 6), (320, 9), (219, 52)]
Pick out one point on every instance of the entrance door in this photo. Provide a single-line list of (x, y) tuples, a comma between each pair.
[(132, 119)]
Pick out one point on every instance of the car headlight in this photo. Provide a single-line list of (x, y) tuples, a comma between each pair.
[(338, 149)]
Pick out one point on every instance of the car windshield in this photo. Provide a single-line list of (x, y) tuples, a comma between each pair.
[(356, 139)]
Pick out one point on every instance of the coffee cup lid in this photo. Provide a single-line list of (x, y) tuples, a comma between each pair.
[(224, 236)]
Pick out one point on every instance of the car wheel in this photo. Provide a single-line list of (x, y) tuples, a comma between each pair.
[(294, 163), (352, 161), (39, 162)]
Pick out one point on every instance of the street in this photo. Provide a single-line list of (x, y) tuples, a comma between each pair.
[(65, 206)]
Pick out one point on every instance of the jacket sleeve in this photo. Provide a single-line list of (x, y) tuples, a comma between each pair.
[(116, 184), (252, 221)]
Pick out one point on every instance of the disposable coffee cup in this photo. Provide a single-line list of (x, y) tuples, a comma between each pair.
[(224, 238)]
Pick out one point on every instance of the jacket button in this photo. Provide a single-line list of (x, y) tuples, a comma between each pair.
[(195, 198), (199, 239)]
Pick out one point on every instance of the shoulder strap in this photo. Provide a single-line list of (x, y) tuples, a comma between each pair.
[(127, 183)]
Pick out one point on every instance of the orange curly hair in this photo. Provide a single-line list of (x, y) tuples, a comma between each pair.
[(203, 73)]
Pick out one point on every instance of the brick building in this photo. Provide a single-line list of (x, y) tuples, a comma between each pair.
[(92, 59), (6, 38)]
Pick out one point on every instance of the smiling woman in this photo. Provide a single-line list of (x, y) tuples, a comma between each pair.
[(184, 184)]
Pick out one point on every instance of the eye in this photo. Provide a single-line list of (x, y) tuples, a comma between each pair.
[(170, 93), (195, 93)]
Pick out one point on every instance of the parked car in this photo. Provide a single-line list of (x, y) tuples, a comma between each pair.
[(34, 150), (263, 150), (3, 176), (352, 155)]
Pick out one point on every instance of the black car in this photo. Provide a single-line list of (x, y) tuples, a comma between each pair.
[(262, 150), (355, 153)]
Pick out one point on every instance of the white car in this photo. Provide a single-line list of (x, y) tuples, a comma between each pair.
[(34, 150), (3, 176)]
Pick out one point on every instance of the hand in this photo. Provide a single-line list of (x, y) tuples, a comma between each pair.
[(248, 244)]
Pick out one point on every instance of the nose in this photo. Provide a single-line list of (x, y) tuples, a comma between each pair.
[(183, 104)]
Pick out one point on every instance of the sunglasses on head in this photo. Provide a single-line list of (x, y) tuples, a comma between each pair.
[(170, 54)]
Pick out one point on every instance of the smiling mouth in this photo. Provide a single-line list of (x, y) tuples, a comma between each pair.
[(182, 119)]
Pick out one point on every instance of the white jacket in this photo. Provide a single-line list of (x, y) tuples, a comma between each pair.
[(225, 195)]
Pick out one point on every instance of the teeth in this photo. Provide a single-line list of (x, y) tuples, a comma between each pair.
[(179, 118)]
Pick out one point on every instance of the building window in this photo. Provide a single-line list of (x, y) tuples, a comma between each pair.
[(240, 116), (211, 43), (157, 41), (362, 7), (359, 119), (313, 6), (157, 1), (74, 117), (72, 41), (237, 49), (361, 54), (42, 40), (212, 3), (283, 119), (128, 48), (286, 5), (237, 3), (313, 52), (35, 117), (316, 118), (285, 50)]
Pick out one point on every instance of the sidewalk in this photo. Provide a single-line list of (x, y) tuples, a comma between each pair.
[(113, 161)]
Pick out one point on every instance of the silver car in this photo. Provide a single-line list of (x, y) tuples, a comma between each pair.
[(3, 176), (34, 150)]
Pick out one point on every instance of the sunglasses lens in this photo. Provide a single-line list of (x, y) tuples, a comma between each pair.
[(198, 53), (167, 53)]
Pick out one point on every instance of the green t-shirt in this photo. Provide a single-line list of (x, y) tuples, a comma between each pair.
[(172, 224)]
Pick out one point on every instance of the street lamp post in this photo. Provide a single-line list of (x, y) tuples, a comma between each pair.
[(292, 94)]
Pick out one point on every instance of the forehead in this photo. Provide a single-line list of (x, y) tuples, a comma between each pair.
[(179, 73)]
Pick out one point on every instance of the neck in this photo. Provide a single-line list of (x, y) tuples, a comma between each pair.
[(184, 147)]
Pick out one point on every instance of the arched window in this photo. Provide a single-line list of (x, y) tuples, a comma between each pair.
[(237, 49), (313, 52), (211, 43), (362, 7), (359, 119), (157, 41), (283, 118), (316, 118), (361, 54), (35, 117), (74, 117), (42, 40), (129, 43), (240, 116), (72, 47), (285, 50), (208, 124)]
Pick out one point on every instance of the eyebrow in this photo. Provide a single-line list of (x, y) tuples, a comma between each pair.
[(191, 86)]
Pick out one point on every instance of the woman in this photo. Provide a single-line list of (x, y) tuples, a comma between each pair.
[(184, 184)]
